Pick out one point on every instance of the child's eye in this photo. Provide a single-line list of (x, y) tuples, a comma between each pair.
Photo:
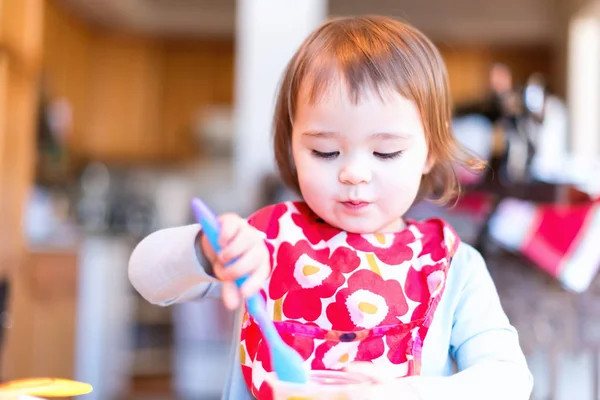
[(388, 156), (328, 156)]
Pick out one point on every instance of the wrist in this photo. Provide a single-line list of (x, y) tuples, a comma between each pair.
[(201, 257)]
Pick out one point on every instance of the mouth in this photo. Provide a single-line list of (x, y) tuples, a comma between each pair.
[(355, 204)]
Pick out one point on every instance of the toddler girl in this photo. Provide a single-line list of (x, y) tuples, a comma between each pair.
[(361, 131)]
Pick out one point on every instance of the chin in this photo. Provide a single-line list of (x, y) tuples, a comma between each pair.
[(357, 227), (348, 226), (371, 227)]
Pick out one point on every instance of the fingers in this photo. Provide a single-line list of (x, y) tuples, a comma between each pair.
[(231, 224), (245, 264), (254, 283), (254, 263), (231, 296), (242, 238), (367, 369)]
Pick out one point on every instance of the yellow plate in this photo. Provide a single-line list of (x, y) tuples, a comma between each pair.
[(47, 387)]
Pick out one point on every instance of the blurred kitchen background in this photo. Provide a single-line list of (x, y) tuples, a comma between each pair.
[(115, 113)]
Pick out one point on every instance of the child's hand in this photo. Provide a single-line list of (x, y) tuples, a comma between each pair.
[(385, 387), (243, 252)]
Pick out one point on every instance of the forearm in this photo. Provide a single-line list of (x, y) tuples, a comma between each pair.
[(165, 267), (491, 381)]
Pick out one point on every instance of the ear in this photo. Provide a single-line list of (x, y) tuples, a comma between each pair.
[(428, 165)]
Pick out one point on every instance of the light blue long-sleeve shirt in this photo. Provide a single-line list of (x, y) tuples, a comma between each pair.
[(471, 351)]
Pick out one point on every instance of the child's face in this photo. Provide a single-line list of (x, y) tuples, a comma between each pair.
[(359, 165)]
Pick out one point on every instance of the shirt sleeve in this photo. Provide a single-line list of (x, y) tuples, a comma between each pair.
[(165, 267), (484, 344)]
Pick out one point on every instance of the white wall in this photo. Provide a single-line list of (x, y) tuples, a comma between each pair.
[(268, 34), (584, 81)]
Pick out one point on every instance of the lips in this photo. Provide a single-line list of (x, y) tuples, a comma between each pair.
[(355, 204)]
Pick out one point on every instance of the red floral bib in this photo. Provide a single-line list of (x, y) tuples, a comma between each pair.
[(339, 297)]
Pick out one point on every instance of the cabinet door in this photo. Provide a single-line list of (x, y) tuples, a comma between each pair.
[(20, 51), (124, 123)]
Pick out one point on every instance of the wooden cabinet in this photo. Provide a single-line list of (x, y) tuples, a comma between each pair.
[(193, 78), (52, 284), (124, 103), (42, 325), (66, 69), (20, 44), (20, 53), (134, 98)]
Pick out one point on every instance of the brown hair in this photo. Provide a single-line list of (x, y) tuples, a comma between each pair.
[(373, 52)]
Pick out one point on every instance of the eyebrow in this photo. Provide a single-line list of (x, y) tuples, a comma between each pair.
[(379, 135)]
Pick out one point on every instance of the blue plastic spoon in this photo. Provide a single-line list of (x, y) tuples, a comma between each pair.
[(287, 363)]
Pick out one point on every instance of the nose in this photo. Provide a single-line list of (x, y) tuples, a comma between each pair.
[(355, 173)]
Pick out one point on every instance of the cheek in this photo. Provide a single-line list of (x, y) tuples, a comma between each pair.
[(418, 162), (400, 182), (313, 175), (403, 178), (400, 191), (308, 168)]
